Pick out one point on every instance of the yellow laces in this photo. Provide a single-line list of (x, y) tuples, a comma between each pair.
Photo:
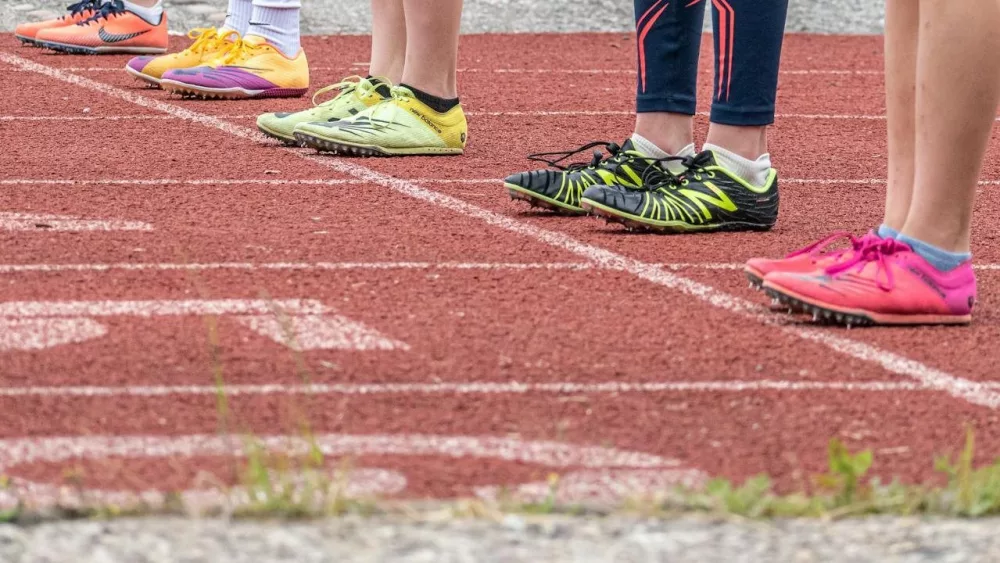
[(345, 86), (398, 93), (240, 49), (204, 38)]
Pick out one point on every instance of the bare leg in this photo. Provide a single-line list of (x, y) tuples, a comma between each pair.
[(432, 46), (902, 21), (671, 132), (958, 87), (388, 40), (747, 141)]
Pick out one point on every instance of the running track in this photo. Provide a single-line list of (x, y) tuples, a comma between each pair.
[(446, 338)]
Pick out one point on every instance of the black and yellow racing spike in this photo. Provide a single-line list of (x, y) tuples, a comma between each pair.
[(707, 197), (559, 188)]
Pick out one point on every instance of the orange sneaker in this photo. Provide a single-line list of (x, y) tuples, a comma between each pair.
[(78, 12), (113, 29)]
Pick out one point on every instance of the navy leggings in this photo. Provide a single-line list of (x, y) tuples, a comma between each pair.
[(748, 36)]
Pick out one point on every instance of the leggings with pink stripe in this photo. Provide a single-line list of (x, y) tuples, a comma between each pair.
[(748, 36)]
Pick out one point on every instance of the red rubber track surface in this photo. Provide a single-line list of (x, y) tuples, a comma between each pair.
[(738, 394)]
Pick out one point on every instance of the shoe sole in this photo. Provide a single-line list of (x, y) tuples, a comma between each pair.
[(290, 141), (144, 77), (78, 50), (665, 227), (756, 278), (349, 149), (538, 200), (855, 317), (189, 91), (27, 40)]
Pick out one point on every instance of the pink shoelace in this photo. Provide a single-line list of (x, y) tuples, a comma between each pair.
[(876, 250), (820, 246)]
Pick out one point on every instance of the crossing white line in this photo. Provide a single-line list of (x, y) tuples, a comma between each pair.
[(355, 181), (476, 388), (955, 386), (473, 113), (343, 266), (598, 71)]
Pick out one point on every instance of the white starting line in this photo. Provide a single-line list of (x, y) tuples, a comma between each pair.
[(597, 71), (11, 221), (299, 324), (589, 473), (470, 388)]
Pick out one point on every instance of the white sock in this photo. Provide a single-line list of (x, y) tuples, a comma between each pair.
[(152, 15), (238, 16), (278, 22), (646, 147), (753, 172)]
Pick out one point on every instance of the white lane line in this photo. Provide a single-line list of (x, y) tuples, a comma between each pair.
[(175, 182), (11, 221), (307, 266), (938, 379), (140, 117), (478, 388), (593, 471), (625, 71), (300, 324), (340, 266), (353, 181), (531, 113), (45, 309)]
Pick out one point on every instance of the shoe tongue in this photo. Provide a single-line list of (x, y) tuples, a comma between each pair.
[(628, 145), (706, 158)]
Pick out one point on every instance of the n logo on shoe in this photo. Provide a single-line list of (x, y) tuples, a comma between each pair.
[(117, 37)]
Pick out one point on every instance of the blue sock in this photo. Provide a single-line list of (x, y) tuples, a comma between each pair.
[(942, 260), (885, 231)]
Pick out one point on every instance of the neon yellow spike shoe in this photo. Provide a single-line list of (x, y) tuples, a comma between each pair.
[(253, 68), (402, 125), (354, 95), (209, 44)]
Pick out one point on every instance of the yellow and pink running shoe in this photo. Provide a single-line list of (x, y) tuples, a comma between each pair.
[(818, 255), (252, 69), (209, 45), (76, 13), (883, 284)]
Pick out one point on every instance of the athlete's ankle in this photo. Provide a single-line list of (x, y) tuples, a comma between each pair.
[(436, 103), (754, 172), (942, 260), (649, 148), (671, 132), (749, 142)]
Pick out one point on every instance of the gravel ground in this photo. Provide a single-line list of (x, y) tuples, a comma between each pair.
[(481, 16), (551, 540)]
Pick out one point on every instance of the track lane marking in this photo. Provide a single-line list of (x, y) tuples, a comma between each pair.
[(626, 71), (44, 222), (536, 113), (957, 387), (336, 266), (300, 324), (476, 388), (354, 182)]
